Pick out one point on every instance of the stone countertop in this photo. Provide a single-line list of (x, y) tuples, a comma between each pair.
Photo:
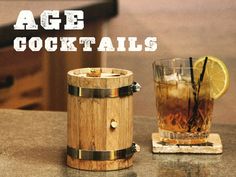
[(33, 144)]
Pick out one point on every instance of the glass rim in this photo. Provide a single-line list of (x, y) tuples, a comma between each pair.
[(183, 67), (206, 82), (170, 59)]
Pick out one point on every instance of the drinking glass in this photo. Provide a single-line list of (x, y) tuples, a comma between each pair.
[(183, 101)]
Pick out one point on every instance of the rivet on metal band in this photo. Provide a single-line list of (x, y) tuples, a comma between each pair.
[(102, 155), (104, 93)]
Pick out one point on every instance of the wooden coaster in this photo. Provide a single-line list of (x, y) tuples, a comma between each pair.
[(213, 146)]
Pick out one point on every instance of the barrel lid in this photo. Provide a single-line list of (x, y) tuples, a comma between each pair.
[(100, 72), (100, 77)]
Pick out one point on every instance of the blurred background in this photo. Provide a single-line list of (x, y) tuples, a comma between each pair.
[(183, 28)]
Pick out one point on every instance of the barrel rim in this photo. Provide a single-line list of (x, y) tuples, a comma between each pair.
[(126, 72)]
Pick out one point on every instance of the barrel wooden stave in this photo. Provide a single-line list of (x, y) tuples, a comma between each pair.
[(89, 120)]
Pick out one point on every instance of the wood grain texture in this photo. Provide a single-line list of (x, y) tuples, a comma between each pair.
[(89, 120)]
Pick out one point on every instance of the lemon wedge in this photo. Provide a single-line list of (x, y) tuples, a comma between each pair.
[(218, 74)]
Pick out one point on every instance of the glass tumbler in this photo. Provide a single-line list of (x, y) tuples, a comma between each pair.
[(183, 101)]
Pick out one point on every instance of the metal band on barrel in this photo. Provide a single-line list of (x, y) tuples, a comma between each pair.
[(101, 155), (104, 93)]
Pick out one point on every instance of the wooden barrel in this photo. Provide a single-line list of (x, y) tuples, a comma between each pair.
[(100, 119)]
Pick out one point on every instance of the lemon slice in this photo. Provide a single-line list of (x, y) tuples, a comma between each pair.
[(218, 74)]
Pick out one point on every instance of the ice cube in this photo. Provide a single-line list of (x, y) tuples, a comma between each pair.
[(182, 85), (174, 92), (186, 79), (172, 77), (180, 90)]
